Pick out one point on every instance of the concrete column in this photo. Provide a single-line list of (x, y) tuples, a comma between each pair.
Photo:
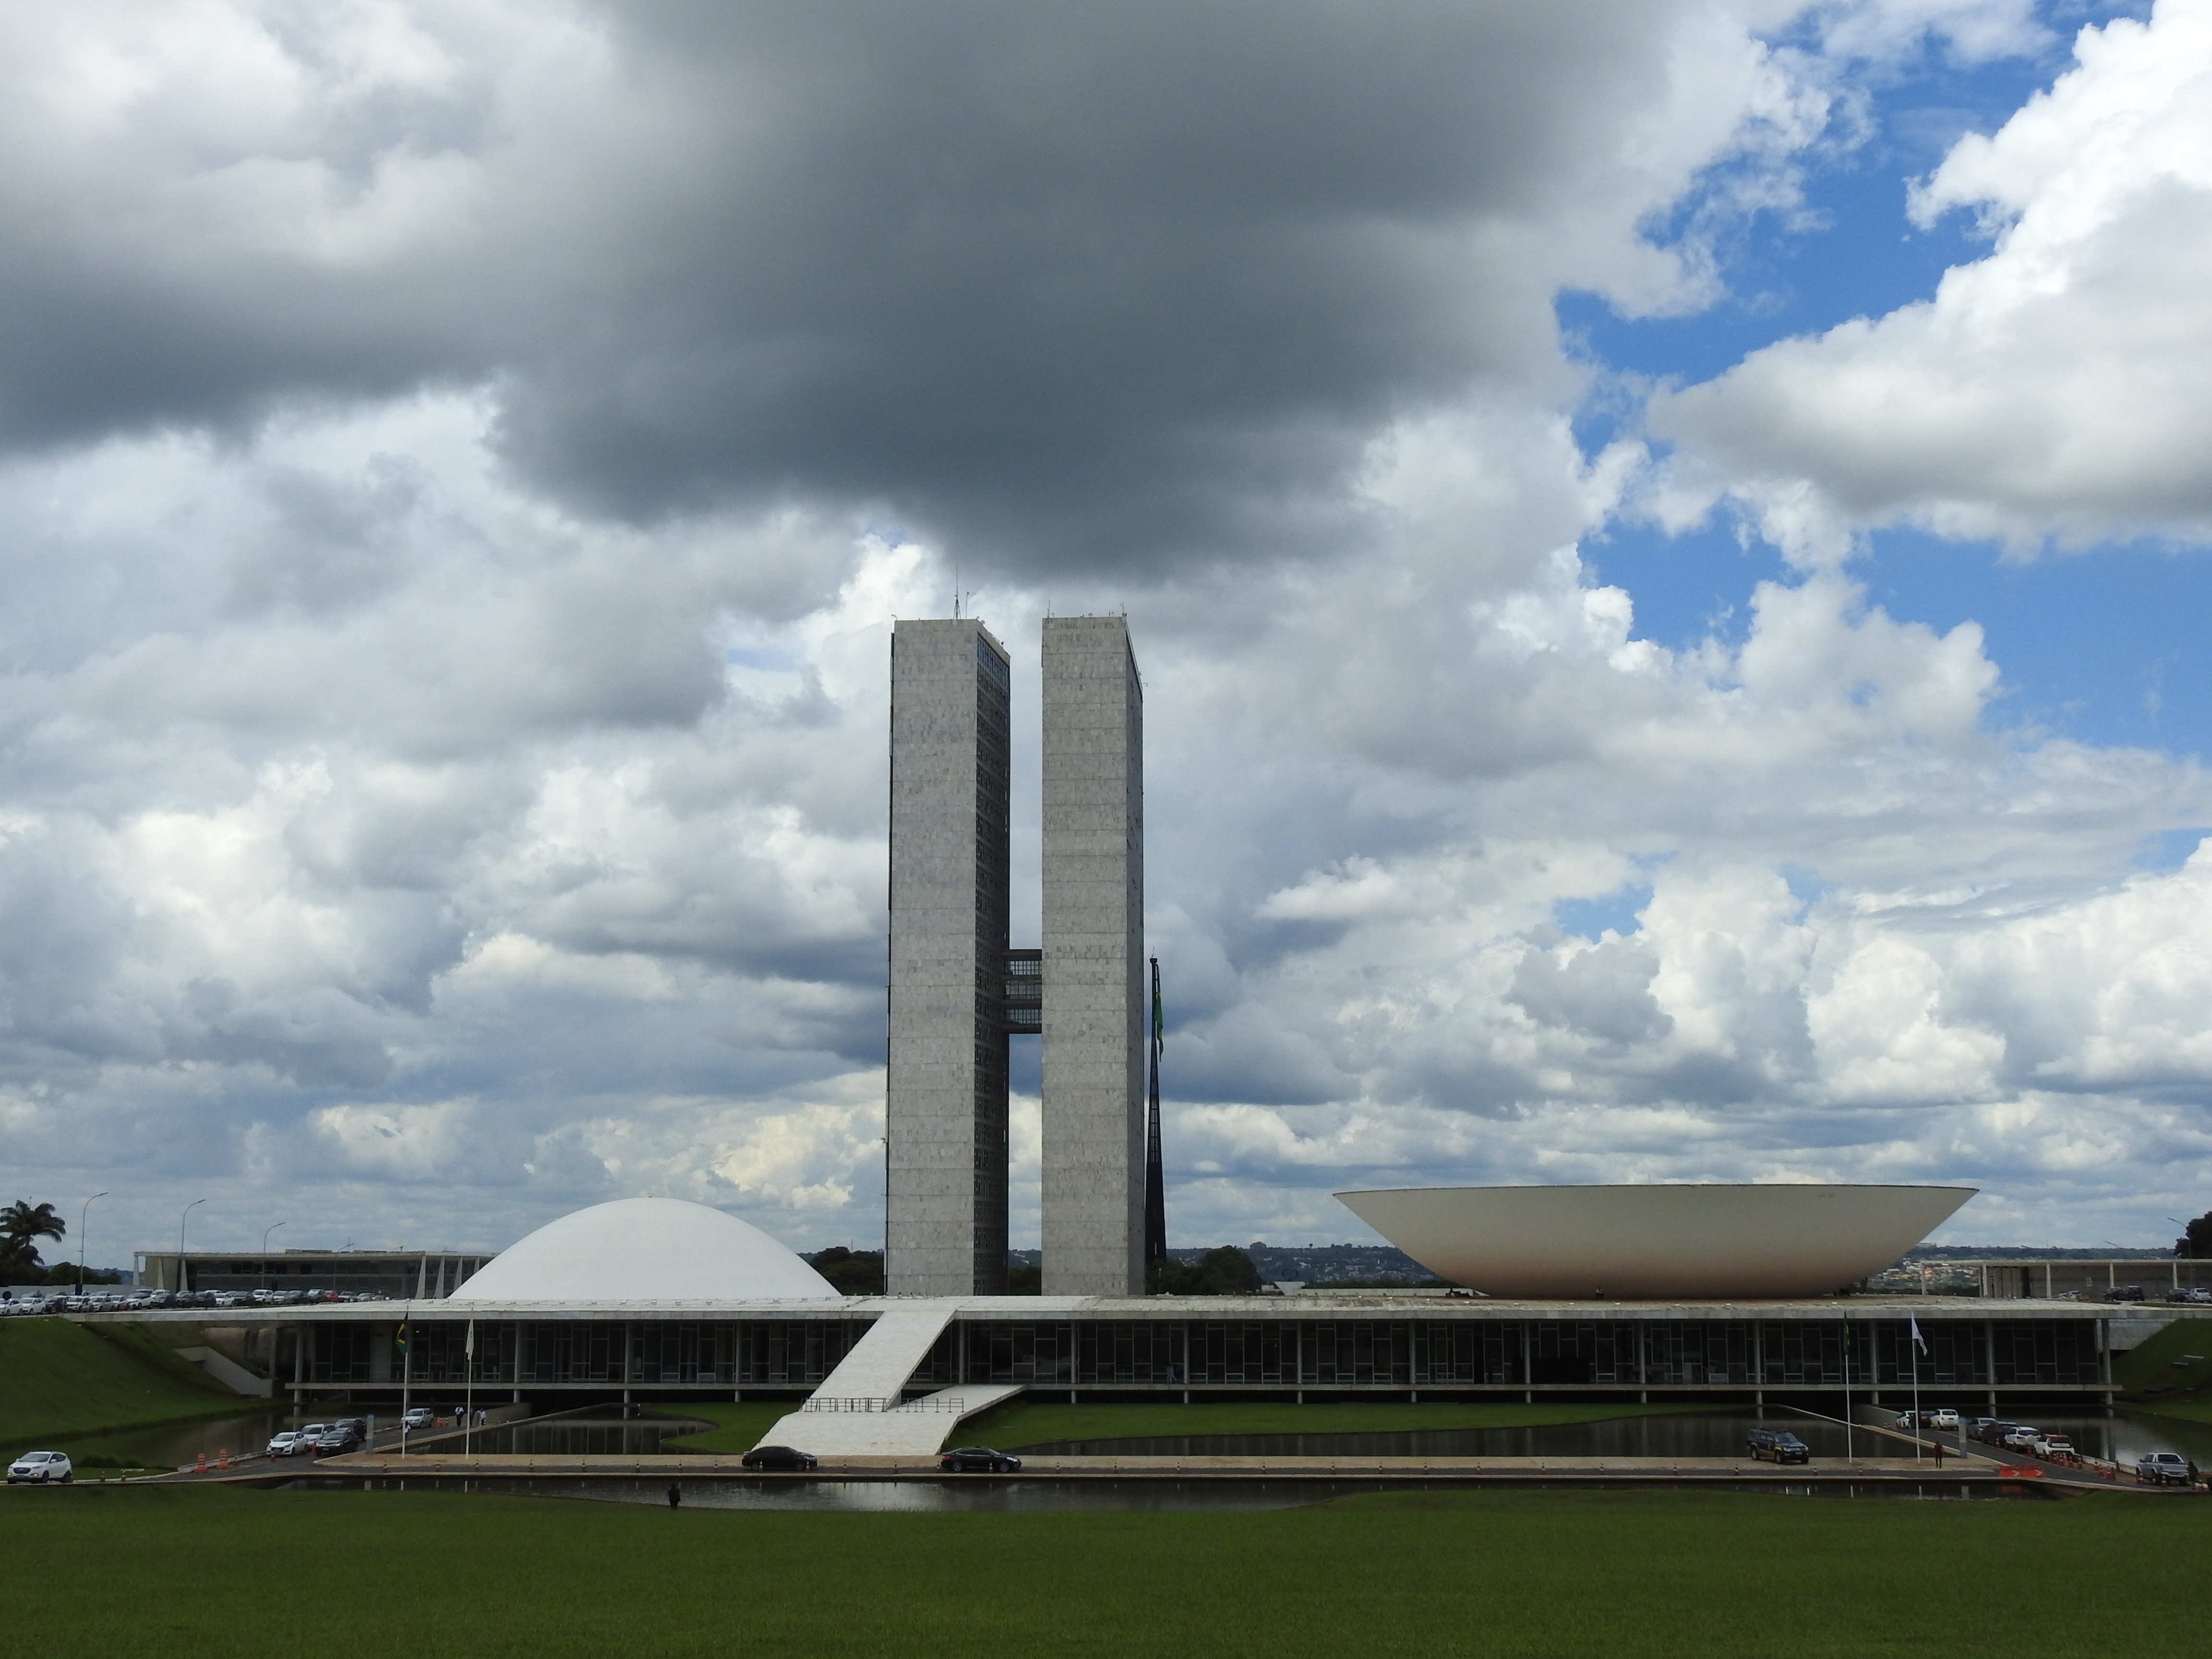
[(1094, 959)]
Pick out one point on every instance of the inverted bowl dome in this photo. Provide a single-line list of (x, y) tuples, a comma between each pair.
[(646, 1250), (1648, 1243)]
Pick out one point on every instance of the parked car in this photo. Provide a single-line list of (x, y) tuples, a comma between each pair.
[(42, 1468), (1981, 1426), (1780, 1444), (786, 1458), (2020, 1437), (2188, 1293), (2162, 1469), (1936, 1417), (2059, 1448), (336, 1441), (285, 1442), (2125, 1293), (980, 1460), (418, 1418)]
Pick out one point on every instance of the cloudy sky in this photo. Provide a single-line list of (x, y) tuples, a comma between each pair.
[(1667, 540)]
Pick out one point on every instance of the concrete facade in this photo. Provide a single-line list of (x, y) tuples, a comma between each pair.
[(1094, 959), (946, 1100)]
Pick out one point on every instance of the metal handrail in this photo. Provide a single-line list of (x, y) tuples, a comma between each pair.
[(854, 1402)]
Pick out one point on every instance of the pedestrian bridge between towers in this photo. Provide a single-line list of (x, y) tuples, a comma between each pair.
[(861, 1407)]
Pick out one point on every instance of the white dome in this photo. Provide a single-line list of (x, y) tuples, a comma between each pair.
[(646, 1250)]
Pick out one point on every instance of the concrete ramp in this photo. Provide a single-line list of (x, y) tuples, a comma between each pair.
[(860, 1409)]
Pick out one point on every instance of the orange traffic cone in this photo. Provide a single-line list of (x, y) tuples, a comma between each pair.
[(200, 1467)]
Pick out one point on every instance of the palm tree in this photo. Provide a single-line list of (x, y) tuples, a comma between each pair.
[(22, 1223)]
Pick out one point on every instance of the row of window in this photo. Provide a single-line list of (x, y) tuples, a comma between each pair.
[(1407, 1353)]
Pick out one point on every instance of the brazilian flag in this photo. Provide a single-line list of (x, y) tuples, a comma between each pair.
[(399, 1339)]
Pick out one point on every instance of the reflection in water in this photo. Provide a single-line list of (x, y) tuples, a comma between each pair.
[(580, 1437), (2124, 1437), (1029, 1495)]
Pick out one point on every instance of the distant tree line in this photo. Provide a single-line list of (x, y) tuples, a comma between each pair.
[(1226, 1271), (852, 1273), (2195, 1243)]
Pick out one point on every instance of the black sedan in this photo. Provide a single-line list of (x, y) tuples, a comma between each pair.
[(980, 1460), (336, 1442), (788, 1459)]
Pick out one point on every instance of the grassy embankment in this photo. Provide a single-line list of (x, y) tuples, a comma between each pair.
[(2178, 1363), (1041, 1422), (60, 1382), (1530, 1574)]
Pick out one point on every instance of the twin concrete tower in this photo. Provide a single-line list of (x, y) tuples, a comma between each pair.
[(959, 993)]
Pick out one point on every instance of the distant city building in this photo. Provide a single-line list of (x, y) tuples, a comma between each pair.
[(395, 1274)]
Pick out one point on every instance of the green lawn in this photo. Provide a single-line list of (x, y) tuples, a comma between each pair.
[(57, 1379), (2152, 1364), (1529, 1575)]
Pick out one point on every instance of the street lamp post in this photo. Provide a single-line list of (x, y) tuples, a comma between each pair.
[(181, 1219), (265, 1231), (82, 1216)]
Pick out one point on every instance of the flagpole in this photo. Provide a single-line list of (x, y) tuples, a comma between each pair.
[(469, 1391), (1913, 1353), (406, 1369)]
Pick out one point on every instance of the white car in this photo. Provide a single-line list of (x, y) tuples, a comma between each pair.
[(2059, 1448), (42, 1468), (419, 1417), (285, 1442), (2023, 1438), (1942, 1417)]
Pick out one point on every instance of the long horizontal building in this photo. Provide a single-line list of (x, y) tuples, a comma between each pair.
[(1294, 1346), (418, 1274)]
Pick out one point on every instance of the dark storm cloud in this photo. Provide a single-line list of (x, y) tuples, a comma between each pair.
[(1053, 281), (1070, 280)]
